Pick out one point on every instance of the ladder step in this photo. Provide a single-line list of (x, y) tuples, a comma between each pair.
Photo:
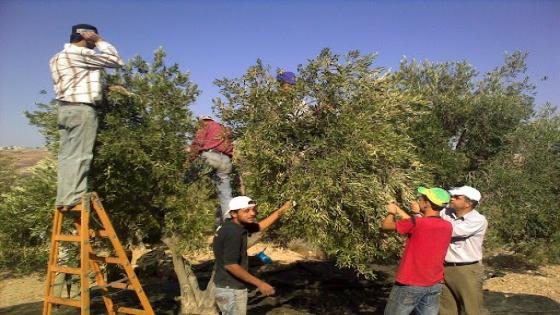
[(107, 260), (67, 238), (76, 208), (115, 285), (119, 284), (98, 233), (123, 286), (74, 271), (128, 310), (63, 301)]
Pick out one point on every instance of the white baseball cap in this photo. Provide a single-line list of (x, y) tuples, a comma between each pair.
[(241, 202), (466, 191)]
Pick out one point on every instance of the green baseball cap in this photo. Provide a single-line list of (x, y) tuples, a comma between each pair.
[(438, 196)]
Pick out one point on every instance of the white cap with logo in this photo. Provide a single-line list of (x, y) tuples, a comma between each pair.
[(466, 191), (239, 202)]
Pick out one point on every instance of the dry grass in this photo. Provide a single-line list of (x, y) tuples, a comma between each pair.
[(24, 159)]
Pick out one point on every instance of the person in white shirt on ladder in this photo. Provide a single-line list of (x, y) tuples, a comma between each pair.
[(76, 74)]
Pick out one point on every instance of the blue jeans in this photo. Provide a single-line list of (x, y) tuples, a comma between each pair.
[(406, 298), (231, 301), (77, 126), (222, 164)]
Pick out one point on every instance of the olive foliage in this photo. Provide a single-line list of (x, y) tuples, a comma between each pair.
[(522, 185), (26, 214), (348, 138), (470, 113), (138, 169), (337, 143)]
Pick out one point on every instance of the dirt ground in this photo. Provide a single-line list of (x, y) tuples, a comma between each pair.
[(312, 286), (24, 158), (545, 281)]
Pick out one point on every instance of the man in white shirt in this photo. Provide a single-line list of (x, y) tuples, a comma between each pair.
[(462, 291), (76, 74)]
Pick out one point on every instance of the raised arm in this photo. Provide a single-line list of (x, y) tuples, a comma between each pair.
[(390, 222), (274, 216), (108, 57)]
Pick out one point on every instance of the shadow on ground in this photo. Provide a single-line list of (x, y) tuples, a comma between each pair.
[(499, 303), (510, 262), (305, 287), (161, 295), (317, 287)]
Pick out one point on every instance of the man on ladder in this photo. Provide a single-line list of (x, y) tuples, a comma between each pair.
[(76, 74)]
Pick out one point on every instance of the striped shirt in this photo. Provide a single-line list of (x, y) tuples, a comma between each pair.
[(76, 71)]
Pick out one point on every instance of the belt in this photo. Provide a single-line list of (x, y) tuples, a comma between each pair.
[(456, 264), (222, 153), (228, 287), (74, 103), (406, 285)]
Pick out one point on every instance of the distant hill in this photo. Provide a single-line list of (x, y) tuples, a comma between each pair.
[(24, 158)]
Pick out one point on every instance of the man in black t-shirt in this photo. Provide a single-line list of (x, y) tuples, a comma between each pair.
[(230, 252)]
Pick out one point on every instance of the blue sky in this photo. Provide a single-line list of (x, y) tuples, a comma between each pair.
[(216, 39)]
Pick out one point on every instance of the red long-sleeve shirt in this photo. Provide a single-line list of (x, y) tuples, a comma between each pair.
[(212, 136)]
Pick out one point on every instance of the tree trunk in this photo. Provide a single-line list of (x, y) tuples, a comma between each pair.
[(193, 299)]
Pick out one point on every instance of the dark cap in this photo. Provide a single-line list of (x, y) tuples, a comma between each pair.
[(286, 77), (78, 28)]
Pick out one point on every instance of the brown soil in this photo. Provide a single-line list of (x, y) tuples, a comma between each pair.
[(20, 290), (545, 281)]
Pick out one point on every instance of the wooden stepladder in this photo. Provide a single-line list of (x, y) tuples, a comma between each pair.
[(90, 262)]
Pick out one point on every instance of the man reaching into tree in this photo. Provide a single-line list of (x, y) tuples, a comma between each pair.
[(230, 252), (418, 282), (212, 142), (299, 109)]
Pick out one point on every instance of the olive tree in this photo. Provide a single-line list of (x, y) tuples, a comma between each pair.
[(337, 143), (521, 185), (470, 114)]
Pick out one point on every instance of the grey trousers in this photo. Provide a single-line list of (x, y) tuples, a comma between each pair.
[(232, 301), (222, 164), (77, 126)]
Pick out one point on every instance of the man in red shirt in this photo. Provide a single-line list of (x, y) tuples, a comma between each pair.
[(418, 283), (213, 143)]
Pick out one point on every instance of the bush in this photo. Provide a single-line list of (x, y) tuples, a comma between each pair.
[(26, 216)]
